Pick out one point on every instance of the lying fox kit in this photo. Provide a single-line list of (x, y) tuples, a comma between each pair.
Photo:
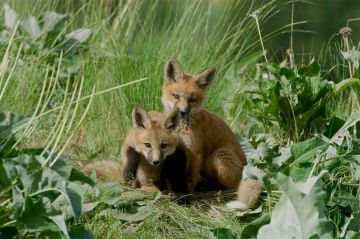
[(151, 150), (216, 153)]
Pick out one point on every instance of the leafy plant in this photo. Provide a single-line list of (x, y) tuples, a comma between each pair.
[(295, 99), (40, 193), (317, 208)]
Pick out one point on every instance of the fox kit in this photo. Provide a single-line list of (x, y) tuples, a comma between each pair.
[(152, 158), (216, 153), (151, 153)]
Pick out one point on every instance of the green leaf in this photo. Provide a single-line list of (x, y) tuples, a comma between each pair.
[(305, 151), (75, 200), (306, 221), (62, 166), (352, 225), (285, 155), (9, 124), (222, 233), (48, 182), (288, 73), (35, 222), (110, 193), (77, 175), (352, 235), (59, 220), (251, 229), (80, 233), (311, 70)]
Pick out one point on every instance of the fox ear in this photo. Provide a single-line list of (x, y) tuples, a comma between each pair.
[(206, 77), (172, 70), (140, 118), (172, 120)]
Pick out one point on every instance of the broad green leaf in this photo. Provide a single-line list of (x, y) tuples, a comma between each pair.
[(59, 220), (10, 123), (48, 182), (35, 222), (87, 207), (110, 193), (300, 172), (305, 151), (288, 73), (339, 136), (251, 229), (62, 166), (306, 221), (10, 17), (352, 235), (306, 187), (352, 225), (77, 175), (18, 200), (222, 233), (75, 200), (311, 70), (21, 167), (285, 155), (80, 233)]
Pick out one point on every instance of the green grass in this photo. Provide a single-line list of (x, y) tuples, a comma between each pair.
[(133, 40)]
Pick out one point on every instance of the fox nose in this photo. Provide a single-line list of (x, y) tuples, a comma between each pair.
[(156, 162), (183, 113)]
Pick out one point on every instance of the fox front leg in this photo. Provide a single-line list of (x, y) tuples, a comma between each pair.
[(130, 164)]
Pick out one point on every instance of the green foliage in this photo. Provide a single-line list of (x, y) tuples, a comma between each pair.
[(319, 209), (39, 196), (295, 101), (304, 209), (222, 233)]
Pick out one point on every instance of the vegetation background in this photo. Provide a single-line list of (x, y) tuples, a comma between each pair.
[(297, 113)]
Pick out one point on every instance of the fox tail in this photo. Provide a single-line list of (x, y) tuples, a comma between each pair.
[(248, 194), (105, 170)]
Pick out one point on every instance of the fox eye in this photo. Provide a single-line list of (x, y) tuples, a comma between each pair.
[(192, 100), (147, 145), (163, 146), (176, 96)]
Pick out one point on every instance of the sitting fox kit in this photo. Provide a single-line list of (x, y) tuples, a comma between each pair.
[(174, 150), (216, 153), (151, 149)]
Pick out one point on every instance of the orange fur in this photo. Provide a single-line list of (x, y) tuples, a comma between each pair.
[(216, 153), (152, 139)]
